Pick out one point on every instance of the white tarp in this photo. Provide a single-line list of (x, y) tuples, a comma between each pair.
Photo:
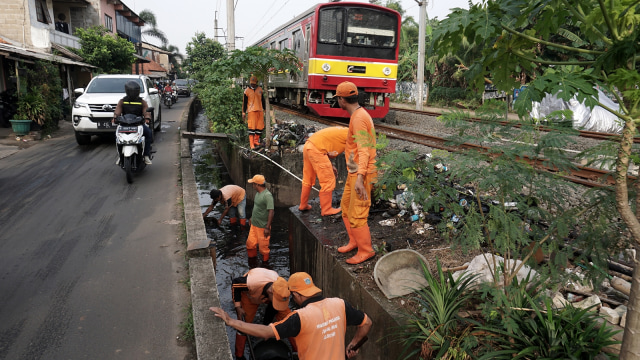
[(596, 119)]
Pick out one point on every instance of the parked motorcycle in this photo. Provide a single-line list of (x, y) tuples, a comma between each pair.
[(168, 99), (130, 143)]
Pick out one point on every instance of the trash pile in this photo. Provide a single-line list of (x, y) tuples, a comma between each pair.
[(289, 137)]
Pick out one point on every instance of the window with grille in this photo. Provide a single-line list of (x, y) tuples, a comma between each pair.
[(108, 22)]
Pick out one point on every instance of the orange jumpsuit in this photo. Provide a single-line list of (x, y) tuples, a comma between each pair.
[(250, 288), (360, 155), (316, 161), (253, 106), (319, 328)]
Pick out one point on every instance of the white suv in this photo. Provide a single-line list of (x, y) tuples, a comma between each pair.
[(93, 109)]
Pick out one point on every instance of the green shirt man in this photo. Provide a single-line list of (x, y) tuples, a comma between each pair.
[(261, 218)]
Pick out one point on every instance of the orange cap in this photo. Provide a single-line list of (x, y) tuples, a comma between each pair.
[(280, 294), (347, 89), (302, 283), (253, 80), (258, 179)]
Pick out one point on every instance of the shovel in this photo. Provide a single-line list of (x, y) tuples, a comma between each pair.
[(251, 354)]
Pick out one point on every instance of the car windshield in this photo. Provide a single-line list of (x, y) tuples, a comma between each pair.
[(110, 85), (181, 82)]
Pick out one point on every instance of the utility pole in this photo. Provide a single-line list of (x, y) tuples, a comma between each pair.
[(422, 19), (231, 27), (215, 26)]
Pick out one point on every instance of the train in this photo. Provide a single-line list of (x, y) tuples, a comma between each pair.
[(336, 42)]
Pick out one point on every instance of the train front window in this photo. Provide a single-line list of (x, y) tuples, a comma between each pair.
[(373, 28), (331, 23)]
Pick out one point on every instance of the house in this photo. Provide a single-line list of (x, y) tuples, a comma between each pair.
[(43, 29)]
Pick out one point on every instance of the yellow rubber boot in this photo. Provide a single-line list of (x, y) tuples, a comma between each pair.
[(352, 242), (325, 204), (304, 198), (365, 250)]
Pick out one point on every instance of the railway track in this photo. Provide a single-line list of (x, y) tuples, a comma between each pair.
[(582, 133), (583, 175)]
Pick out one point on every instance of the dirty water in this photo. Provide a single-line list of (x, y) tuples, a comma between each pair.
[(231, 254)]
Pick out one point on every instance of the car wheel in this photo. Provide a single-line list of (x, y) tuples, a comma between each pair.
[(83, 139), (158, 123)]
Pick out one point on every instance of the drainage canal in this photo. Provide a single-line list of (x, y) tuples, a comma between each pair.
[(229, 242)]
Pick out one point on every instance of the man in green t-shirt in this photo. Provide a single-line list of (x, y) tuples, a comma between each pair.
[(261, 217)]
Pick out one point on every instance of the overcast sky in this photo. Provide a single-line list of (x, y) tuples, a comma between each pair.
[(180, 20)]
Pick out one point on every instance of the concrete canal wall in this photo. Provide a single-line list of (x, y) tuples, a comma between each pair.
[(308, 250)]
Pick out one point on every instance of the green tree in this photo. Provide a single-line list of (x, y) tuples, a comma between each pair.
[(110, 54), (201, 52), (567, 47)]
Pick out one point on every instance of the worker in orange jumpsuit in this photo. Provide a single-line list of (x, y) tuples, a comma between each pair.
[(360, 155), (234, 199), (322, 146), (261, 219), (259, 286), (318, 327), (253, 109)]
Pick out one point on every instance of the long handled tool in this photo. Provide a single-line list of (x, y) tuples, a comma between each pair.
[(251, 354)]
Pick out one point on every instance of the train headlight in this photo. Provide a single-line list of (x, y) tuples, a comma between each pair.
[(326, 67), (386, 71)]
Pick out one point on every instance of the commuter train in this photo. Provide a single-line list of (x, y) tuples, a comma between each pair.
[(336, 42)]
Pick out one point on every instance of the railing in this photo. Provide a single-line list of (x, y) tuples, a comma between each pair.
[(63, 39)]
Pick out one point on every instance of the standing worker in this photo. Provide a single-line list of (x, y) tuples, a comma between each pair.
[(261, 218), (259, 286), (360, 155), (318, 327), (322, 146), (234, 199), (253, 108)]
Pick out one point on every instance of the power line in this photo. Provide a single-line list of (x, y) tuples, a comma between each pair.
[(285, 3)]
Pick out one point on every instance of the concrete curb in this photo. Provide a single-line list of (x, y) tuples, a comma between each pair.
[(211, 338)]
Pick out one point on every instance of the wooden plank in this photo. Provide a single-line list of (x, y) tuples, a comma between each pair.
[(193, 135)]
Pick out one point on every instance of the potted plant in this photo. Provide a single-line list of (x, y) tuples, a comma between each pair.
[(31, 107)]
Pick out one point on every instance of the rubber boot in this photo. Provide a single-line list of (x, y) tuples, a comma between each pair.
[(304, 198), (251, 141), (243, 223), (252, 253), (352, 242), (265, 257), (365, 250), (233, 221), (325, 204)]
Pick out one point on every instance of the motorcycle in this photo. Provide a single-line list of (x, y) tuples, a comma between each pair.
[(130, 144), (175, 95), (168, 99)]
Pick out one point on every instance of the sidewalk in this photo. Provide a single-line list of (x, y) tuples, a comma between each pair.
[(10, 143)]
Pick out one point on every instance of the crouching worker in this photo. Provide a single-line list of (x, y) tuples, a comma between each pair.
[(234, 199), (315, 336), (259, 286)]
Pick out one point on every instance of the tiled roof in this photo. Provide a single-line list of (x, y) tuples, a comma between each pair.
[(148, 68)]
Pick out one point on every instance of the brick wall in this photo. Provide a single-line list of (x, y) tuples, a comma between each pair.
[(13, 19)]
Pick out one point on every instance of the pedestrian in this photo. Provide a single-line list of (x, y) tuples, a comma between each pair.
[(259, 286), (360, 155), (319, 326), (234, 199), (261, 218), (317, 153), (253, 109)]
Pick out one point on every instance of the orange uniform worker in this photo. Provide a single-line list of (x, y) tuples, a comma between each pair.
[(259, 286), (261, 218), (319, 326), (360, 155), (322, 146), (253, 108), (234, 199)]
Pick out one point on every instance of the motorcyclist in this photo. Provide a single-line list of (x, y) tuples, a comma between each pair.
[(168, 89), (132, 103)]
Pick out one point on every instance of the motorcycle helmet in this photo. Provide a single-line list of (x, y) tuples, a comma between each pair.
[(132, 89)]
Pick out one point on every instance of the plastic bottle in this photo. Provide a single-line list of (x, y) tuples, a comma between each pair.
[(415, 217)]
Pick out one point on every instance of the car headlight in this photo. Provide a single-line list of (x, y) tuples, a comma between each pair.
[(79, 105), (386, 71), (326, 67)]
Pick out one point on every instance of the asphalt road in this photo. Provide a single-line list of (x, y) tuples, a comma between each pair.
[(90, 266)]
